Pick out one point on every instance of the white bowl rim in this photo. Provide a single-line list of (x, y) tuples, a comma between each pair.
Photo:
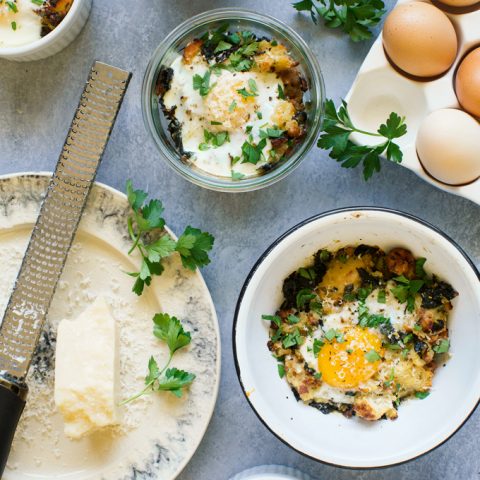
[(43, 42), (264, 255)]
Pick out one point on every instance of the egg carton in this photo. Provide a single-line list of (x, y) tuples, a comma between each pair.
[(380, 89)]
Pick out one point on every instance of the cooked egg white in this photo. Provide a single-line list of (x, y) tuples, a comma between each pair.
[(21, 27), (227, 109)]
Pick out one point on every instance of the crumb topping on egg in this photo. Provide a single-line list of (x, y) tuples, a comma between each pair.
[(359, 330)]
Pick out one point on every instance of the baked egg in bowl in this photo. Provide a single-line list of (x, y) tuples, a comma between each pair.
[(371, 316)]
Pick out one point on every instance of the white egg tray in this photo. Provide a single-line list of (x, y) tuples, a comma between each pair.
[(379, 89)]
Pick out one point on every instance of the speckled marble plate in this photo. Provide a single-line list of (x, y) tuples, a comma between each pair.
[(158, 434)]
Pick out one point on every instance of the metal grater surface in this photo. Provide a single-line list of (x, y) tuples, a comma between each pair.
[(58, 219)]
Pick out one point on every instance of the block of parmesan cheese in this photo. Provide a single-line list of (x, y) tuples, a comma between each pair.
[(86, 370)]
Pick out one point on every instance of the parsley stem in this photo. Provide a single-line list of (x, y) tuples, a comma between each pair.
[(139, 394), (366, 133), (149, 385)]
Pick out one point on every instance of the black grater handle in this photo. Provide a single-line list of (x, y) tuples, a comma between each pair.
[(12, 403)]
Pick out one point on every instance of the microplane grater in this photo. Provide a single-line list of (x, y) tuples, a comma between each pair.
[(52, 237)]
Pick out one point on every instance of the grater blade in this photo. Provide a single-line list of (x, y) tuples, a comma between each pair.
[(58, 220)]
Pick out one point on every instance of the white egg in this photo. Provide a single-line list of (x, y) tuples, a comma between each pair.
[(448, 145)]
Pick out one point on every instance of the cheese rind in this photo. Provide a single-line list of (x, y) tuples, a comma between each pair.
[(86, 370)]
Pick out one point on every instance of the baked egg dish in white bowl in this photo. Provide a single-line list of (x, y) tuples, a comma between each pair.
[(355, 337), (36, 29)]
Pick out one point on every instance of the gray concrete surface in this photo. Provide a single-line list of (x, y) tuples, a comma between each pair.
[(37, 101)]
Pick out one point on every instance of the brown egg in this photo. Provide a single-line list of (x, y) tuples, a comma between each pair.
[(459, 3), (467, 83), (448, 145), (420, 39)]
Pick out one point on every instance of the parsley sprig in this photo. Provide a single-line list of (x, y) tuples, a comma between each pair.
[(170, 330), (353, 17), (146, 229), (337, 129)]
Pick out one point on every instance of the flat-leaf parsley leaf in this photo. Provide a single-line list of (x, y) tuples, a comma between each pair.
[(337, 129)]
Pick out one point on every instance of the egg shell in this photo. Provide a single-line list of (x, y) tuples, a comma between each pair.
[(420, 39), (459, 3), (467, 83), (448, 145)]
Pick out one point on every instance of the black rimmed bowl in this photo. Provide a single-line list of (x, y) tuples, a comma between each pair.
[(334, 439)]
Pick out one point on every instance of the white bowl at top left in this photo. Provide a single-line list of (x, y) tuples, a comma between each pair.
[(54, 41)]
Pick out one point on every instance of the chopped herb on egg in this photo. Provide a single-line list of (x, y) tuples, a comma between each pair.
[(12, 7), (237, 175), (293, 319), (372, 356), (442, 347), (202, 84), (422, 395), (252, 153), (382, 296), (281, 93), (317, 345), (14, 26)]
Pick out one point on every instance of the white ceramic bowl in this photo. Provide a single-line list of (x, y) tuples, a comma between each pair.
[(422, 424), (56, 40), (271, 472)]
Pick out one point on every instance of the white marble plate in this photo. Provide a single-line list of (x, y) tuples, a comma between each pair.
[(379, 89), (159, 433)]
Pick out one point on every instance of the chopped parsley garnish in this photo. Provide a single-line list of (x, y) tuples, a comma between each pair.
[(293, 319), (202, 84), (13, 7), (253, 92), (169, 330), (332, 334), (317, 345), (232, 106), (382, 296), (146, 229), (406, 290), (292, 339), (252, 153), (304, 296), (237, 175), (308, 273), (38, 2), (222, 46), (259, 115), (14, 25), (366, 319), (213, 140), (273, 318), (422, 395), (337, 129), (419, 270), (442, 347), (281, 93), (271, 133), (216, 123), (281, 370), (372, 356)]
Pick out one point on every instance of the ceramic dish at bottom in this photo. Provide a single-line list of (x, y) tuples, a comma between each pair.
[(271, 472), (158, 434), (352, 442), (379, 89)]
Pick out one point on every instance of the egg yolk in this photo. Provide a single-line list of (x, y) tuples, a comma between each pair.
[(347, 364)]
